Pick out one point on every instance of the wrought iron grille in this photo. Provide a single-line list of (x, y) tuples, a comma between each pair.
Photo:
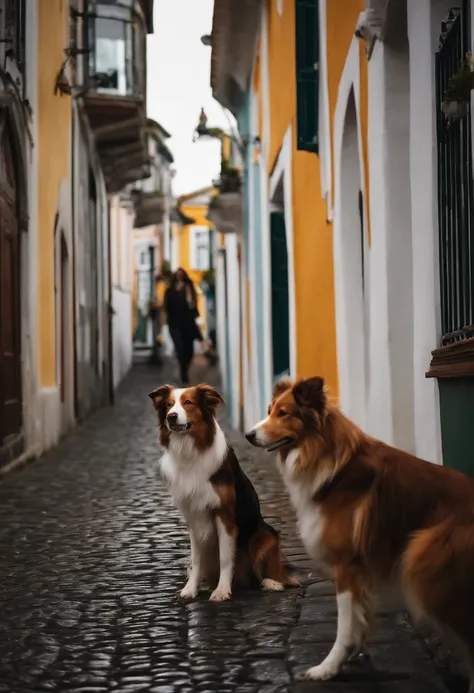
[(455, 188)]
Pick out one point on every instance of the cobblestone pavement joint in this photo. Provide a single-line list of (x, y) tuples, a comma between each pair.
[(92, 554)]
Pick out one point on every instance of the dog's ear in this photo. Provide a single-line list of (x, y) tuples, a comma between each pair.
[(209, 396), (281, 387), (310, 392), (159, 395)]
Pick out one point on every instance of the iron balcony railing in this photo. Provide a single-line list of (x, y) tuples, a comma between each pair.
[(455, 188)]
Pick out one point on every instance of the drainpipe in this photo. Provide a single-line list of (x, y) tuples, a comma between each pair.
[(110, 308)]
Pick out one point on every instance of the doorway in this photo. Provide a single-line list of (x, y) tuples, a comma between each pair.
[(280, 294), (11, 440)]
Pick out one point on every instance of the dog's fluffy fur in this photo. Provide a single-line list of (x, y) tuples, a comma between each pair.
[(373, 517), (230, 541)]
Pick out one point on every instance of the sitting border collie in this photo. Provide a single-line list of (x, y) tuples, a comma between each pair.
[(230, 541)]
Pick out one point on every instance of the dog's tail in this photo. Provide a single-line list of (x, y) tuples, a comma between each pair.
[(268, 562)]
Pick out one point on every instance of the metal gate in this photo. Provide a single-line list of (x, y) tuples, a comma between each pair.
[(455, 189)]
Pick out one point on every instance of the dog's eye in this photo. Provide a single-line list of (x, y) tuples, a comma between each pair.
[(169, 404), (282, 412), (188, 401)]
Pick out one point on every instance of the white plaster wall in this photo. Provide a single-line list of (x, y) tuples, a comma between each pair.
[(380, 410), (121, 334), (233, 297), (424, 23), (221, 325), (351, 325), (121, 245), (264, 203)]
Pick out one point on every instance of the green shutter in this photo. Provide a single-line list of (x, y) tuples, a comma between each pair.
[(307, 74)]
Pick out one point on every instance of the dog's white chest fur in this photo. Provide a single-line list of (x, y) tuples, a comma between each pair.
[(187, 472), (310, 522)]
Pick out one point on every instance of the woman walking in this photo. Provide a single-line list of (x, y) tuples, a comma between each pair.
[(181, 310)]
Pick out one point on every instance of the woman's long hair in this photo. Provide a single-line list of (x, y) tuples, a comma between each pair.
[(187, 280)]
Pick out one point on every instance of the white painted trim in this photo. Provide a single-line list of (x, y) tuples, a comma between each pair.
[(267, 281), (325, 144), (283, 171), (353, 387), (193, 232), (424, 24), (64, 229), (265, 87), (221, 323), (251, 407), (233, 295)]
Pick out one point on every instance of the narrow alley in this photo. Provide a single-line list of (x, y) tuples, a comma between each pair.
[(93, 555)]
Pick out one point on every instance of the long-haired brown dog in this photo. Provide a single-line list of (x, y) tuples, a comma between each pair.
[(374, 517)]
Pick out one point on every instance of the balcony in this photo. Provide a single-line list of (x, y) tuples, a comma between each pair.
[(151, 197), (225, 210), (114, 86)]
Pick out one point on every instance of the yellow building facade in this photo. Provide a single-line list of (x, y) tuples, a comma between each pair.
[(288, 190), (54, 162)]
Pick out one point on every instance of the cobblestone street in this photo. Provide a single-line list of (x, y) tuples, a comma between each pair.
[(92, 556)]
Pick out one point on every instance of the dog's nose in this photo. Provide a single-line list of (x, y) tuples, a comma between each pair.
[(172, 417), (251, 435)]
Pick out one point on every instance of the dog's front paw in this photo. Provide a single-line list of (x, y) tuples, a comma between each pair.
[(322, 672), (220, 594), (269, 585), (188, 592)]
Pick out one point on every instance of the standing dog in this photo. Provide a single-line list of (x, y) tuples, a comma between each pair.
[(375, 517), (229, 537)]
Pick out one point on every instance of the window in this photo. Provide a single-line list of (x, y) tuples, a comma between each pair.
[(307, 74), (116, 40), (199, 249)]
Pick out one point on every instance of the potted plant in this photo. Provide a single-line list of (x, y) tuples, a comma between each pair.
[(230, 178), (458, 94)]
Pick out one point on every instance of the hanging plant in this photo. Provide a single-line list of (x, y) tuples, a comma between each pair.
[(209, 277), (214, 201), (458, 94), (230, 178)]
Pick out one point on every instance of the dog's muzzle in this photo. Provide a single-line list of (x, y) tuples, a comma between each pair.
[(173, 425)]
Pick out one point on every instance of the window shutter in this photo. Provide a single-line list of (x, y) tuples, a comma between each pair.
[(307, 74)]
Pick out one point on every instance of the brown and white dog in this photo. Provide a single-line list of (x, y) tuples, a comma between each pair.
[(230, 541), (374, 517)]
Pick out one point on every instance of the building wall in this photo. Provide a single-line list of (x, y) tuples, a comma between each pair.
[(312, 312), (198, 213), (386, 326), (54, 146), (91, 272), (121, 220), (53, 223)]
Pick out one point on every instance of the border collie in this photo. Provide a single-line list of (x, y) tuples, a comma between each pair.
[(230, 541), (375, 517)]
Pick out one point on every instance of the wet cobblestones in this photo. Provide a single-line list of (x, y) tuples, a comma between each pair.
[(92, 555)]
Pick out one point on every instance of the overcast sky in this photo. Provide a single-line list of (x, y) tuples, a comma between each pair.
[(178, 85)]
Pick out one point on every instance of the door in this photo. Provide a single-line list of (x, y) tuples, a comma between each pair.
[(280, 297), (10, 317)]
